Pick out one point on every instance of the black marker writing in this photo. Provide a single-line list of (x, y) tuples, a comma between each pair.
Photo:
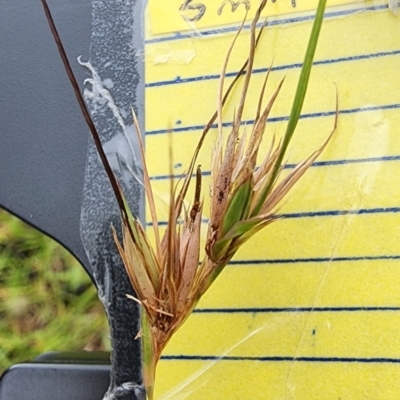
[(234, 5), (195, 12), (187, 8)]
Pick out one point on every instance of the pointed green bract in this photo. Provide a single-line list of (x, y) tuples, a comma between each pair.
[(298, 98), (249, 234), (222, 245), (238, 206), (243, 227)]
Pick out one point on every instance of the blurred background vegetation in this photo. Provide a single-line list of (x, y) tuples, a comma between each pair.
[(47, 301)]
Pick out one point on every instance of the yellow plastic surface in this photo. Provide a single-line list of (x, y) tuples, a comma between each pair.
[(310, 308)]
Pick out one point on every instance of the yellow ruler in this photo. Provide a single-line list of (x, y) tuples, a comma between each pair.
[(310, 308)]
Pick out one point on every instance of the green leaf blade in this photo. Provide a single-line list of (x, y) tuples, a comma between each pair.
[(298, 101)]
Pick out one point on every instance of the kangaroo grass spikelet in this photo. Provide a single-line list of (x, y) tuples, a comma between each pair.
[(169, 280)]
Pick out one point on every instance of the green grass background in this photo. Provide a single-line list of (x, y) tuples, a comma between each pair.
[(47, 301)]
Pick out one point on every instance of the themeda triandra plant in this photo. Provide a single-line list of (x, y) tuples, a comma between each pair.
[(169, 279)]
